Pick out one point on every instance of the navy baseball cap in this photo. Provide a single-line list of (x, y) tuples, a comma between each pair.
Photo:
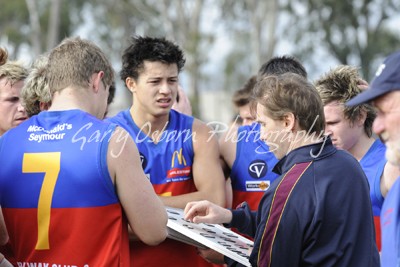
[(387, 79)]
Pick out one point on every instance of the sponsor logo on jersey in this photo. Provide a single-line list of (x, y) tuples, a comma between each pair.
[(257, 168), (179, 166), (39, 134), (179, 156), (257, 185), (56, 129)]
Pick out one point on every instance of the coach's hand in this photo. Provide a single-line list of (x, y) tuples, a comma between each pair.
[(206, 212)]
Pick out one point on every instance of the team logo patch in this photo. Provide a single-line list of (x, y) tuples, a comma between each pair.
[(258, 168), (143, 160), (257, 185)]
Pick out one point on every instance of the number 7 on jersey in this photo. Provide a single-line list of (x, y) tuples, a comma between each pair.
[(49, 163)]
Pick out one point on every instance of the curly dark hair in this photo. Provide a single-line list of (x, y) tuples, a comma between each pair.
[(149, 49)]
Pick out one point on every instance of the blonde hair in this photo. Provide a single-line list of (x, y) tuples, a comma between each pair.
[(36, 88), (341, 84), (13, 71)]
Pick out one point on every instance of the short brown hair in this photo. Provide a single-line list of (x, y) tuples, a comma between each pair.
[(291, 93), (243, 96), (73, 62)]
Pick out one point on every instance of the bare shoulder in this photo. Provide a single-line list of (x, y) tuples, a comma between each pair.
[(203, 132), (121, 150), (121, 143), (229, 137)]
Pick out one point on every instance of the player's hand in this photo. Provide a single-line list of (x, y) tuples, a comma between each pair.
[(206, 212), (182, 103), (362, 85), (211, 255)]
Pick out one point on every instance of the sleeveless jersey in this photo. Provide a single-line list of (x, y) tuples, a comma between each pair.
[(373, 164), (57, 197), (251, 172), (390, 222), (168, 165)]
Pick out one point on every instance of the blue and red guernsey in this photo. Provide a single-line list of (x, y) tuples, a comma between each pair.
[(390, 222), (373, 163), (56, 194), (168, 165), (251, 173)]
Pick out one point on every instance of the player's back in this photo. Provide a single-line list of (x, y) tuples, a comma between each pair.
[(55, 191)]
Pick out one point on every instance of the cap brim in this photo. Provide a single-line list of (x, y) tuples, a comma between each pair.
[(365, 97)]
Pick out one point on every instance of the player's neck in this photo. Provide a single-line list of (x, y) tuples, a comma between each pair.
[(67, 99), (362, 146), (152, 126)]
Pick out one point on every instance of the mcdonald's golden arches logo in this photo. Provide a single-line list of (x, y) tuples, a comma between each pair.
[(180, 156)]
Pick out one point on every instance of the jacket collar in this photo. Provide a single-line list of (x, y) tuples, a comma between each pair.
[(306, 153)]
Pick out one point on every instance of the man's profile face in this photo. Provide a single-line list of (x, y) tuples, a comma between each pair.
[(246, 114), (387, 124), (343, 133), (273, 132)]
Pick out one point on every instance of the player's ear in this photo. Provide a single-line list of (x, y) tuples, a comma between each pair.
[(289, 121), (97, 80), (130, 84), (362, 117)]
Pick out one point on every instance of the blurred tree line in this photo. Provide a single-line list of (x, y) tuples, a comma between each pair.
[(353, 32)]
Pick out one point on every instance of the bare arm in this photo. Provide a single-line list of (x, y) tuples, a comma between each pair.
[(228, 193), (227, 147), (145, 212), (207, 173), (389, 176)]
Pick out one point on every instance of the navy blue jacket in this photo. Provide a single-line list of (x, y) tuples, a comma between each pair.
[(317, 213)]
